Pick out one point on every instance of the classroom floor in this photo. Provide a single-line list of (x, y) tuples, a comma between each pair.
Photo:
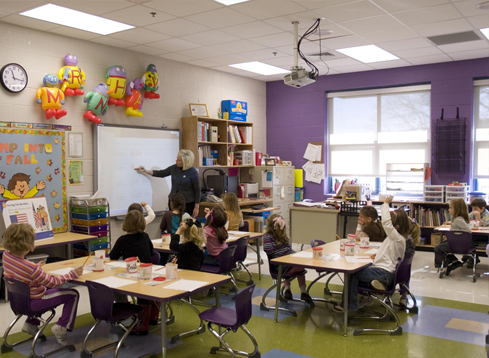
[(453, 321)]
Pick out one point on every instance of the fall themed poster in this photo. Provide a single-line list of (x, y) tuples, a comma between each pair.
[(32, 164)]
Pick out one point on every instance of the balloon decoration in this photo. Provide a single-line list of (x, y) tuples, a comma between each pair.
[(150, 79), (97, 102), (51, 98), (71, 77), (134, 99), (116, 80)]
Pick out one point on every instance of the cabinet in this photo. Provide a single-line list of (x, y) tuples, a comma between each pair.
[(455, 192), (434, 193), (193, 139), (90, 217), (404, 179)]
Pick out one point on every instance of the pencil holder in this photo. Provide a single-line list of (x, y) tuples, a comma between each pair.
[(171, 271), (132, 264), (145, 271)]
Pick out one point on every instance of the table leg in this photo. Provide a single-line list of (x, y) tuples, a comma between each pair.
[(345, 304), (344, 225), (279, 287), (163, 329), (258, 256)]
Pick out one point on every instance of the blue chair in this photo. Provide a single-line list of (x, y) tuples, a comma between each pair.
[(19, 296), (231, 320)]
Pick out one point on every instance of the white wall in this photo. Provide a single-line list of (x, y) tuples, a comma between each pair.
[(41, 53)]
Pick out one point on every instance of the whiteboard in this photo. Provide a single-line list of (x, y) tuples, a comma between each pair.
[(118, 150)]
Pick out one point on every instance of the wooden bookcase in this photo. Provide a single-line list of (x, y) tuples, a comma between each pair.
[(191, 141)]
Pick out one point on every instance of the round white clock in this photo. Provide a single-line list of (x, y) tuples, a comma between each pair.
[(13, 77)]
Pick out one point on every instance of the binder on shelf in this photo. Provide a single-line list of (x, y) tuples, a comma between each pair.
[(214, 134)]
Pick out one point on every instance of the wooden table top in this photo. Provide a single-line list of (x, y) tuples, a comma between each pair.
[(481, 230), (138, 288), (336, 266), (62, 238)]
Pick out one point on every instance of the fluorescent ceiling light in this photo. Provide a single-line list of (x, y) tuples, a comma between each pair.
[(76, 19), (485, 32), (368, 54), (230, 2), (260, 68)]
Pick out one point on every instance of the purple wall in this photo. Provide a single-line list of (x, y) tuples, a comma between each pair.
[(296, 116)]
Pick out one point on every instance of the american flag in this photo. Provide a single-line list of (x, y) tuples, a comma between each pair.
[(19, 218)]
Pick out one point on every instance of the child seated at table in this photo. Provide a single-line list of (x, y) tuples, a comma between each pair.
[(276, 244), (170, 222), (369, 225), (380, 275), (231, 207), (139, 207), (188, 242), (411, 241), (215, 234), (18, 242), (479, 211), (460, 222)]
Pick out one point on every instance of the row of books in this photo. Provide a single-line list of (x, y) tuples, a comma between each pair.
[(207, 156), (207, 133), (240, 134), (431, 217)]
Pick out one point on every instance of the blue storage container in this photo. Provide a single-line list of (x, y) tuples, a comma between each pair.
[(234, 110), (90, 216)]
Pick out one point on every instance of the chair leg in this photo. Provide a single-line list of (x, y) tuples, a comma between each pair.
[(387, 304), (199, 330), (126, 333), (414, 309), (7, 347), (171, 317), (250, 281), (327, 291), (264, 307)]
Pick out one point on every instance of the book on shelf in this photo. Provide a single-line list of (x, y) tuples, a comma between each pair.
[(431, 217), (207, 155), (236, 134), (204, 132), (231, 134), (241, 135)]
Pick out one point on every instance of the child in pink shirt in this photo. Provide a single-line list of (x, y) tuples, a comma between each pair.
[(215, 234)]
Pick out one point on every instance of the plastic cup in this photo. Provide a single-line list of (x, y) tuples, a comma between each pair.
[(145, 271), (98, 264), (100, 254), (317, 253), (165, 239), (349, 249), (364, 242), (171, 271), (342, 244), (132, 264), (352, 238)]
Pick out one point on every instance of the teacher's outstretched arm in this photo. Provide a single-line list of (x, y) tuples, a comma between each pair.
[(141, 170)]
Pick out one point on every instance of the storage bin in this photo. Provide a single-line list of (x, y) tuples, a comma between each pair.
[(89, 217), (37, 258), (89, 222), (435, 239), (91, 209)]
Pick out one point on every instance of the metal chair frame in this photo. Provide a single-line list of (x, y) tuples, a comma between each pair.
[(458, 247), (240, 256)]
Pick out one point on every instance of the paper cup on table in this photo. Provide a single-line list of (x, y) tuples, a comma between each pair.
[(342, 244), (132, 264), (98, 264), (145, 271), (352, 238), (349, 249), (171, 271), (165, 239), (100, 253), (364, 242), (317, 253)]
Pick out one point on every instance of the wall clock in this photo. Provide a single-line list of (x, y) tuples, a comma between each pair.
[(13, 77)]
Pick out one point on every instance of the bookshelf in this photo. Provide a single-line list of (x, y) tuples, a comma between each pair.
[(192, 138), (406, 178)]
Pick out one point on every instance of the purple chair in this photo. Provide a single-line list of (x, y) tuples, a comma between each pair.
[(226, 264), (19, 296), (403, 276), (240, 256), (155, 257), (384, 298), (459, 242), (231, 320), (323, 273), (104, 309)]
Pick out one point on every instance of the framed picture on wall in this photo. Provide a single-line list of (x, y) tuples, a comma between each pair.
[(198, 109), (75, 145)]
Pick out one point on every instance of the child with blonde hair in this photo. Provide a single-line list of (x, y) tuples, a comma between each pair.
[(231, 207), (18, 242), (188, 242), (276, 244)]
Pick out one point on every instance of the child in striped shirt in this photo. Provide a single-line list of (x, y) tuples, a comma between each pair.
[(277, 244), (18, 242)]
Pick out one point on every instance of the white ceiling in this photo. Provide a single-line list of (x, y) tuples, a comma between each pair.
[(208, 34)]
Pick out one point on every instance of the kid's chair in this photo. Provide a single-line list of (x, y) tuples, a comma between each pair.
[(459, 242), (104, 309), (403, 275), (155, 257), (226, 264), (240, 256), (231, 320), (384, 298), (19, 296)]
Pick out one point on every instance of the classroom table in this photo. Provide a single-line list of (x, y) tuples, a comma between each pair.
[(233, 236), (347, 268), (139, 289), (63, 238)]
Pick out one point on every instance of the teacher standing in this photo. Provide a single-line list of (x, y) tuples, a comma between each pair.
[(184, 180)]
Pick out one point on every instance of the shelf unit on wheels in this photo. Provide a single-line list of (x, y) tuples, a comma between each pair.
[(90, 217)]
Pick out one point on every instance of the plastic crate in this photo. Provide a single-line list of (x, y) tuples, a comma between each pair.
[(89, 217), (101, 246), (89, 222), (91, 209), (89, 229)]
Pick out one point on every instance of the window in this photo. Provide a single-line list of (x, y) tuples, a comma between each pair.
[(481, 136), (368, 129)]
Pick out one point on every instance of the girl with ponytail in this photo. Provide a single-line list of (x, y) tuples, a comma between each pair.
[(188, 243)]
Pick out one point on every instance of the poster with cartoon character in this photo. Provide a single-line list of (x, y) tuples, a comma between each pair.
[(32, 164), (32, 211)]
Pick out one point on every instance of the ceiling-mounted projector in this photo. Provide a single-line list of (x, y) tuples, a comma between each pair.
[(299, 77)]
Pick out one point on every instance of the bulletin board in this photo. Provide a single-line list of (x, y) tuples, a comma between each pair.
[(322, 151), (32, 164)]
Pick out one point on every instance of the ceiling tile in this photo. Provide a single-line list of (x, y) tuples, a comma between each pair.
[(428, 15), (467, 8), (342, 62), (146, 49), (14, 7), (177, 57), (467, 55), (220, 18), (464, 46), (346, 41), (75, 33), (100, 8), (371, 24), (442, 27), (173, 45), (281, 39), (203, 52), (183, 8), (429, 59), (140, 35), (283, 62), (228, 59), (418, 52), (203, 63), (351, 11), (406, 44), (356, 68), (110, 41), (3, 14), (398, 34), (137, 15), (251, 29), (306, 20), (479, 22), (315, 4), (268, 9), (211, 37), (390, 64), (263, 54), (240, 46), (29, 22), (397, 6), (177, 27)]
